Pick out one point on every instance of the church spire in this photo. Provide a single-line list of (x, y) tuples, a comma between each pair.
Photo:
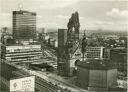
[(84, 33), (84, 45)]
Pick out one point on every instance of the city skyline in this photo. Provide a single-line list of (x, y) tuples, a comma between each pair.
[(106, 14), (63, 45)]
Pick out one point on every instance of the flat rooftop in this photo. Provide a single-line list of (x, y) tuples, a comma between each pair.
[(10, 72), (96, 64)]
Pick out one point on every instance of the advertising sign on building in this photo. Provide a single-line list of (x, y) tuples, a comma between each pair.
[(23, 84)]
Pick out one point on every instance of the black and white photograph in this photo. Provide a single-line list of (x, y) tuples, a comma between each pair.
[(63, 45)]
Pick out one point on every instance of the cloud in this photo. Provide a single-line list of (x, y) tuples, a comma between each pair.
[(6, 14), (56, 3), (63, 17), (117, 13), (5, 19), (67, 17), (102, 22), (39, 16), (95, 24)]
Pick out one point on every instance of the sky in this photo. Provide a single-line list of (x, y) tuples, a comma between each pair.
[(93, 14)]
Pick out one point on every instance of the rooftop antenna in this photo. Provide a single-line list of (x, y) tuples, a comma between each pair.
[(84, 36), (84, 32), (20, 6), (84, 44)]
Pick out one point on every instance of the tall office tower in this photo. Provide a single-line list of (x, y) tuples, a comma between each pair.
[(61, 62), (24, 25)]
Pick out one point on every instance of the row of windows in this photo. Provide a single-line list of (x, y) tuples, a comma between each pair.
[(27, 16), (15, 60), (23, 50), (24, 57), (93, 48), (94, 57), (24, 17), (20, 28), (24, 22), (14, 19), (93, 51), (18, 54), (24, 25), (94, 54)]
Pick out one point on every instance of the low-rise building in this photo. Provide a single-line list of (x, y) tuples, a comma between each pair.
[(15, 80), (96, 74), (97, 52), (21, 53), (119, 57)]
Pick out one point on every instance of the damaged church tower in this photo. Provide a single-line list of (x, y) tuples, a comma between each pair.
[(70, 39)]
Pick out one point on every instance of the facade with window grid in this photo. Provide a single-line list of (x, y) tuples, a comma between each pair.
[(24, 25), (95, 52), (22, 53)]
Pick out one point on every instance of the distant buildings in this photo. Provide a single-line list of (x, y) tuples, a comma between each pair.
[(112, 36), (42, 34), (43, 30), (21, 53), (119, 57), (5, 35), (96, 74), (95, 52), (46, 37), (24, 25), (53, 42)]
